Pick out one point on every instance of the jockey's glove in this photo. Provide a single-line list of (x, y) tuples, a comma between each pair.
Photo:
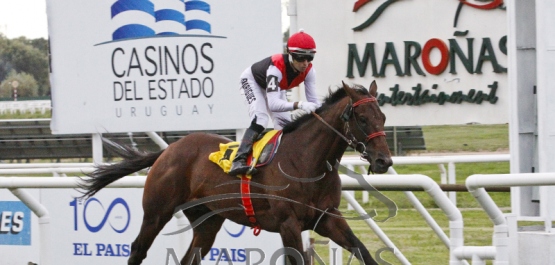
[(307, 106)]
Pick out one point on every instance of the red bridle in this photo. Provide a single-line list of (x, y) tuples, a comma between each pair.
[(364, 100), (374, 135), (353, 142), (368, 100)]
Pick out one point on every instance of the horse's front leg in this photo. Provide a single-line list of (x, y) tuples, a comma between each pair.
[(337, 229), (290, 232)]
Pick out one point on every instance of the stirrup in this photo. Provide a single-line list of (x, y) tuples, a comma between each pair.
[(243, 170), (252, 170)]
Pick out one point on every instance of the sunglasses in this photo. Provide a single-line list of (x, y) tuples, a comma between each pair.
[(302, 58)]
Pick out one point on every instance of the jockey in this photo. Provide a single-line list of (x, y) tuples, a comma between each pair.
[(264, 85)]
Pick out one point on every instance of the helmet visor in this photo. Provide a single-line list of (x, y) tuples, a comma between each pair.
[(302, 58)]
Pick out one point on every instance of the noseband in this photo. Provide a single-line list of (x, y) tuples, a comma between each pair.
[(346, 116)]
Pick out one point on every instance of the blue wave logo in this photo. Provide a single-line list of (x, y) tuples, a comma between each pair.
[(97, 228), (238, 234), (167, 18)]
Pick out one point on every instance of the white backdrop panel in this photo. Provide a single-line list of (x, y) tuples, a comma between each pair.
[(126, 66)]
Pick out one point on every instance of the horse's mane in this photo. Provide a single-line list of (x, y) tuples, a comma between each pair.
[(329, 101)]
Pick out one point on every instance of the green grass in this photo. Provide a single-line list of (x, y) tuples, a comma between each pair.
[(463, 170), (413, 237), (466, 138), (408, 230), (26, 115)]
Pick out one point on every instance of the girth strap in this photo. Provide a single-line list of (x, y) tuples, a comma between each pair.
[(247, 204)]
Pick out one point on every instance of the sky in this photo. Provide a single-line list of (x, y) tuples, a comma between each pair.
[(23, 18), (28, 18)]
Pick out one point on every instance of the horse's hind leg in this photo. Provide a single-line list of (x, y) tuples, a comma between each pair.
[(203, 235), (158, 207), (153, 223)]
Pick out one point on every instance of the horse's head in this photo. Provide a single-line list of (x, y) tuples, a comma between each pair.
[(364, 121)]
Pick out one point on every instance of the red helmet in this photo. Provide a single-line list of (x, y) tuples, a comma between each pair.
[(301, 43)]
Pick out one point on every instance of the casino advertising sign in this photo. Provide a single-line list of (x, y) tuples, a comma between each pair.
[(158, 65), (435, 61)]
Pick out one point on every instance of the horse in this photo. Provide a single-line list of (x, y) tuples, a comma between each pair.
[(303, 168)]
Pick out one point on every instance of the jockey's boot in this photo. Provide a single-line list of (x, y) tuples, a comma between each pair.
[(239, 165)]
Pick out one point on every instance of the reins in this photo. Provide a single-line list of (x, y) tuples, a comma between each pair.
[(346, 116), (350, 142)]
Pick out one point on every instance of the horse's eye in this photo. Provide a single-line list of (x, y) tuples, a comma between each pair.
[(363, 121)]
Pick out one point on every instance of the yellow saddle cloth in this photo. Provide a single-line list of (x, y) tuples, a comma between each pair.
[(260, 155)]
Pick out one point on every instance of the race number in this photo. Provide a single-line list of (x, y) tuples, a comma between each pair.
[(272, 84)]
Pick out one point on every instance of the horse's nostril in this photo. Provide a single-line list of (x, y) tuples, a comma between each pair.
[(384, 163)]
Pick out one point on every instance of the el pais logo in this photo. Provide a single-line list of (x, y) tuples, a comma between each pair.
[(94, 216)]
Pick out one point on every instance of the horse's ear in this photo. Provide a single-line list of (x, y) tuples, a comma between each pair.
[(374, 89), (349, 90)]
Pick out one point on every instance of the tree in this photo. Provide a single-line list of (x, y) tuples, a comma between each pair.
[(26, 56), (41, 44), (26, 85), (5, 64)]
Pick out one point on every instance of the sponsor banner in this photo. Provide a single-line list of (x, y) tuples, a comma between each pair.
[(15, 224), (237, 243), (18, 230), (164, 65), (101, 229), (435, 61)]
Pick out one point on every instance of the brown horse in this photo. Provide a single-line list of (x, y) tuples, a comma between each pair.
[(310, 190)]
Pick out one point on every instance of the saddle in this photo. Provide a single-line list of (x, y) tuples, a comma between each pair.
[(263, 151)]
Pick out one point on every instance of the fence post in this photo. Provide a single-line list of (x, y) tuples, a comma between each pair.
[(395, 151), (44, 224), (97, 154), (452, 179)]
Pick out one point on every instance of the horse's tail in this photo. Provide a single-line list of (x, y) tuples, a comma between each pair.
[(133, 161)]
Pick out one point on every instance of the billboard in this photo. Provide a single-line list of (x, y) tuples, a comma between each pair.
[(19, 231), (15, 223), (102, 228), (435, 61), (158, 65)]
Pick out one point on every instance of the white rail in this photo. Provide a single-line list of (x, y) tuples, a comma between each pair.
[(409, 160), (507, 248), (61, 170), (44, 165), (432, 188), (69, 182), (31, 106), (448, 176), (16, 184)]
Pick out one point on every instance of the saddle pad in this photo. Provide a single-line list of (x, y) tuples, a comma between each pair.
[(263, 149)]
